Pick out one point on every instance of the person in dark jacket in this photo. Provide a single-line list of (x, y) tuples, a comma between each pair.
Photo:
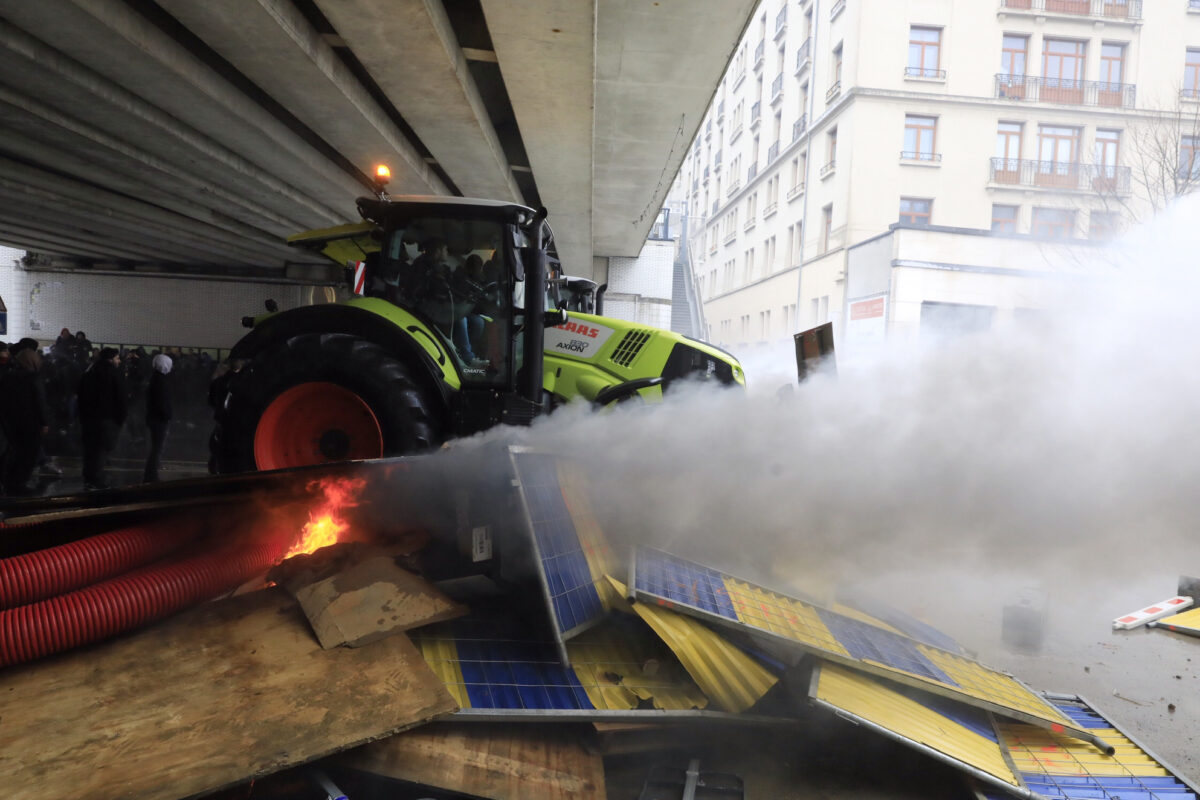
[(101, 414), (25, 418), (158, 413)]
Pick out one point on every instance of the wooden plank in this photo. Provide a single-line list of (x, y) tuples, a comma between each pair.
[(230, 691), (495, 761), (354, 594)]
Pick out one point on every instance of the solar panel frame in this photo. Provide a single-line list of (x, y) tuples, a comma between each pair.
[(881, 670), (562, 601)]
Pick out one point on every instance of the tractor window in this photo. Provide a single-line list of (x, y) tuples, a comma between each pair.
[(453, 273)]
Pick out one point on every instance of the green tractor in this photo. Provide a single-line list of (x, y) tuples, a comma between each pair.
[(450, 296)]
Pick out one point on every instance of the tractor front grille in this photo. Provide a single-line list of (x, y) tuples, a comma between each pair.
[(627, 351)]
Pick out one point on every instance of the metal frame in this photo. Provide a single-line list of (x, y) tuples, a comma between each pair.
[(975, 772), (1179, 776), (560, 638), (648, 715), (908, 679)]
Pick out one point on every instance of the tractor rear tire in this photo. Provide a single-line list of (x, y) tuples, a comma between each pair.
[(320, 398)]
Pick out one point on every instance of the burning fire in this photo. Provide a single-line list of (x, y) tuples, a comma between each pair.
[(325, 525)]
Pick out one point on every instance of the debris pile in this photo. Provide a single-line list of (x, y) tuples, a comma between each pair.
[(485, 598)]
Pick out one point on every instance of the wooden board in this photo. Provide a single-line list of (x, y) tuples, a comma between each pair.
[(230, 691), (496, 761)]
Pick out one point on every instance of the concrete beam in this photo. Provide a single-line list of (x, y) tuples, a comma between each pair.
[(657, 66), (545, 52), (274, 46), (410, 49)]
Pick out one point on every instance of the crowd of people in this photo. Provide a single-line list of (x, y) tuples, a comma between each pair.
[(76, 399)]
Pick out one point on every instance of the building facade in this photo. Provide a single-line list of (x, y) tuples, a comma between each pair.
[(899, 165)]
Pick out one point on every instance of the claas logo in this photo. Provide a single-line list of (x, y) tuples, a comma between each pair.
[(579, 330)]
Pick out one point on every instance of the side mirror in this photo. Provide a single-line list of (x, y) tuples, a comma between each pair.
[(555, 317)]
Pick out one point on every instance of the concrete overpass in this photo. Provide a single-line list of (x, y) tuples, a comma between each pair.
[(194, 135)]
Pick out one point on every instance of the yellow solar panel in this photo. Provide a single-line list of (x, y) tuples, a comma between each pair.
[(732, 680), (618, 669), (1188, 622), (599, 554), (782, 616), (1039, 751), (868, 699)]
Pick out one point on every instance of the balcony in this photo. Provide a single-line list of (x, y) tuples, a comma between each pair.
[(773, 152), (799, 127), (1193, 92), (796, 191), (828, 169), (780, 22), (769, 209), (1130, 10), (833, 92), (921, 73), (749, 225), (751, 171), (759, 51), (755, 114), (1066, 92), (929, 158), (838, 8), (731, 236), (1193, 5), (777, 89), (1061, 176), (734, 185), (804, 56)]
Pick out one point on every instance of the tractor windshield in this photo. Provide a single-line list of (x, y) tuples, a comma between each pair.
[(455, 274)]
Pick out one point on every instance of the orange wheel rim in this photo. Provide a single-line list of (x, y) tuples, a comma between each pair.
[(315, 423)]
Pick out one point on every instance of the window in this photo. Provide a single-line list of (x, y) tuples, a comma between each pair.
[(1015, 55), (919, 137), (1008, 149), (826, 227), (1053, 223), (1189, 164), (1062, 71), (1108, 151), (1004, 219), (915, 210), (1104, 225), (1191, 75), (1058, 157), (924, 52), (1112, 63)]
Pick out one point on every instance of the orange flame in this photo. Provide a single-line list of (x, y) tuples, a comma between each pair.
[(325, 525)]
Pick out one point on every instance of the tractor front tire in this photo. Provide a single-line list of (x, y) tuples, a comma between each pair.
[(320, 398)]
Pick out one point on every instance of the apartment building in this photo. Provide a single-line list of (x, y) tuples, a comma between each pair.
[(896, 166)]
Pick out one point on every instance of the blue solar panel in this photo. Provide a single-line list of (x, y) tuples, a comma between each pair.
[(572, 595), (869, 643), (910, 625), (1084, 717), (1107, 788), (508, 674), (683, 582)]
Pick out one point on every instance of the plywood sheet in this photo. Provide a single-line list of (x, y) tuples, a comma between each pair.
[(499, 762), (227, 692)]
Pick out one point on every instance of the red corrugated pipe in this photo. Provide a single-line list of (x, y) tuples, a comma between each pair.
[(56, 570), (105, 609)]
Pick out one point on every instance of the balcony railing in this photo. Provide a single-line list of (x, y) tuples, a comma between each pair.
[(1066, 91), (1193, 92), (1100, 9), (759, 51), (829, 168), (756, 113), (751, 171), (804, 55), (1061, 175), (799, 127), (777, 88), (838, 8), (796, 191), (708, 129), (916, 155), (731, 236), (923, 72), (780, 22), (736, 132), (749, 224), (773, 152), (833, 92), (734, 185), (769, 209)]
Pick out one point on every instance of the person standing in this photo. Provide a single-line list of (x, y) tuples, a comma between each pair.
[(158, 413), (101, 414), (25, 418)]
